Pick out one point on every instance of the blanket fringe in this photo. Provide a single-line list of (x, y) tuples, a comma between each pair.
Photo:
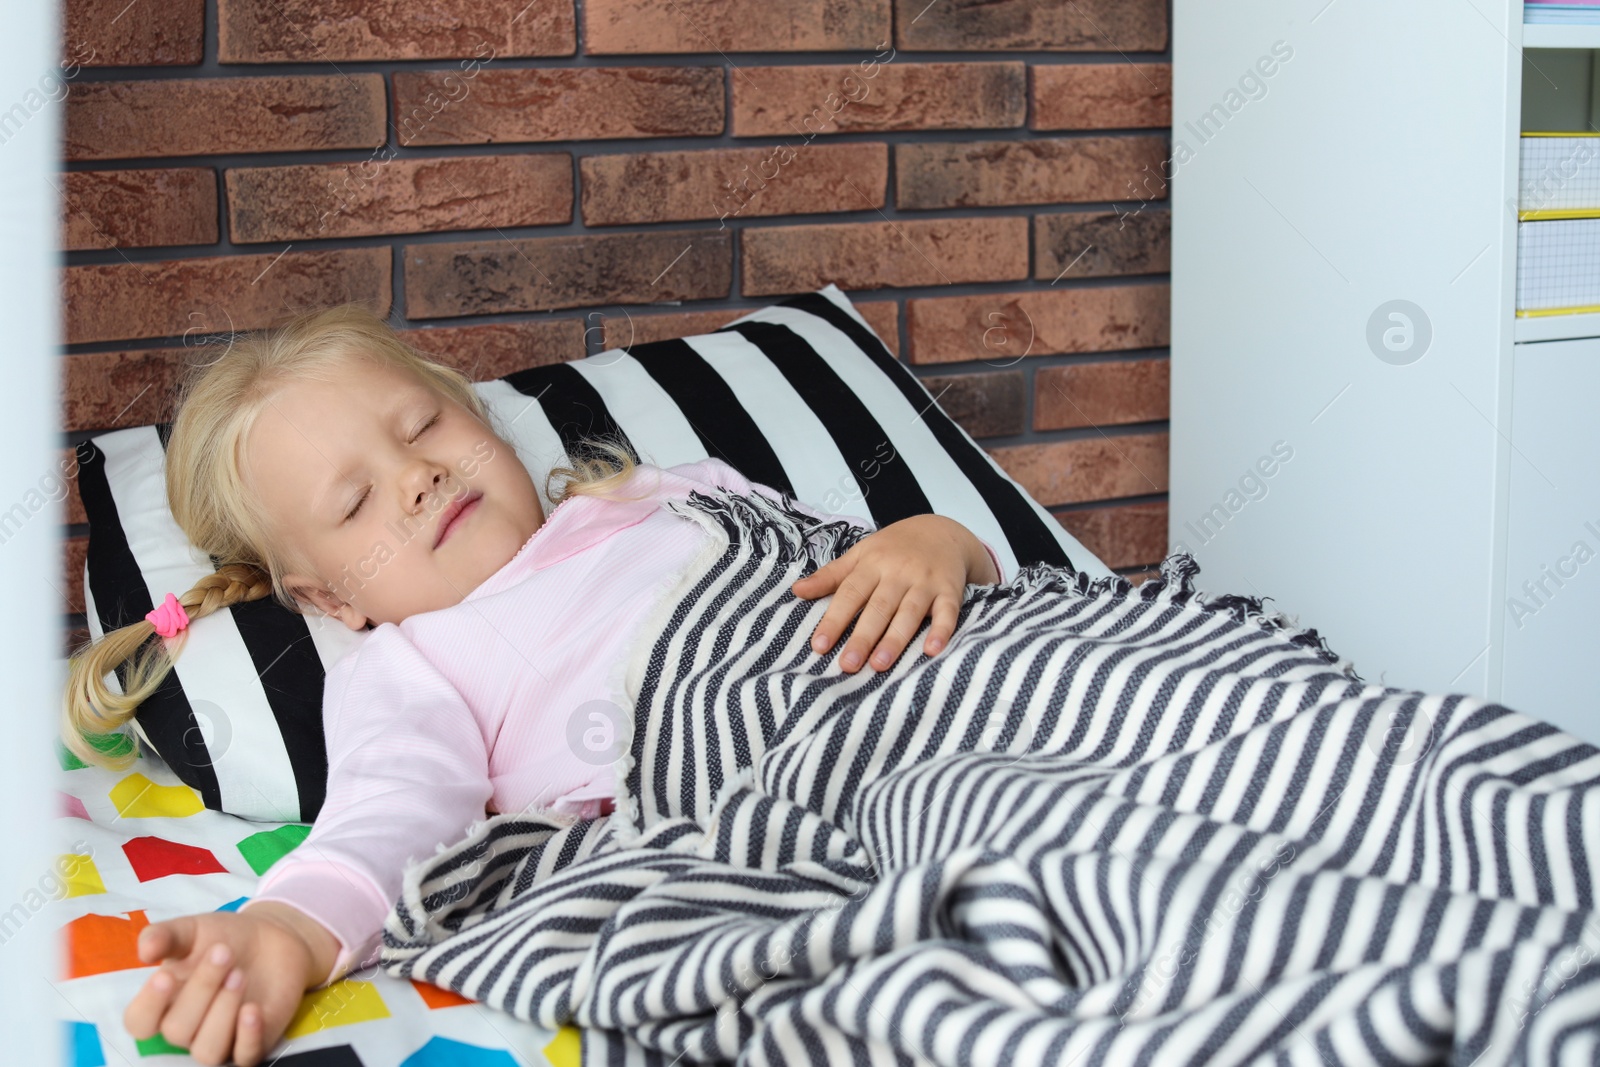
[(780, 528), (1175, 585)]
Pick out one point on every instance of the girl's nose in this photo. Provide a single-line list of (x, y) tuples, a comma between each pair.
[(433, 485)]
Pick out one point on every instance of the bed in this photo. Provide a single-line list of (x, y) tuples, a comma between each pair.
[(801, 396), (1489, 836)]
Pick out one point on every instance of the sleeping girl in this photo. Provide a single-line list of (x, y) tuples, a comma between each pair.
[(330, 465)]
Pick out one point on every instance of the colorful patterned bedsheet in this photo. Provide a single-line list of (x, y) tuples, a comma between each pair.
[(137, 847)]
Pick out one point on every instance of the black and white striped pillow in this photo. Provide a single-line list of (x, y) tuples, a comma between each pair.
[(801, 396)]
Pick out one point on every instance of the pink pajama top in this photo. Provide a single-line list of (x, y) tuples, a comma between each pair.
[(453, 714)]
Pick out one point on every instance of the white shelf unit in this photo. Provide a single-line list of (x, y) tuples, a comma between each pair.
[(1544, 35), (1426, 491), (1557, 327)]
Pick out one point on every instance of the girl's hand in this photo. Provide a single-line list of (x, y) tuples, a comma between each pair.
[(899, 572), (229, 982)]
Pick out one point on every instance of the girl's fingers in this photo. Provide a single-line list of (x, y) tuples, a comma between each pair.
[(874, 619), (249, 1042), (143, 1015), (173, 938), (946, 610), (184, 1017), (213, 1043), (913, 609), (823, 580), (847, 600)]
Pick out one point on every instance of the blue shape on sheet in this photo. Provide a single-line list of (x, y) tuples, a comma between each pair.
[(81, 1044), (443, 1052), (233, 905)]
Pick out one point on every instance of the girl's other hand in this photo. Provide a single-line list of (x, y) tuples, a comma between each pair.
[(229, 982), (899, 574)]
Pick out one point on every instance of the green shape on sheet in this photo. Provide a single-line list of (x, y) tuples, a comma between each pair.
[(111, 744), (262, 850), (159, 1046)]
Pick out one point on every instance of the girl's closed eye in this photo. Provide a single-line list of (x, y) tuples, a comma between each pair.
[(365, 492)]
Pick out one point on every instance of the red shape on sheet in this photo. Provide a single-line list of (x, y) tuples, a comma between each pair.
[(71, 806), (100, 943), (437, 997), (154, 857)]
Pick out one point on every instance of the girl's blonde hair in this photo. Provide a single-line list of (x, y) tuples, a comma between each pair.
[(218, 401)]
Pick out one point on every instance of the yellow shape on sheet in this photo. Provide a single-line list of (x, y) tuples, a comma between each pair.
[(344, 1002), (565, 1049), (137, 797), (80, 874)]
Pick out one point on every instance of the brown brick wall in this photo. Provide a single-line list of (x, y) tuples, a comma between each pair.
[(982, 179)]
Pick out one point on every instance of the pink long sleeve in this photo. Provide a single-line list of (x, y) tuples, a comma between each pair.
[(407, 771)]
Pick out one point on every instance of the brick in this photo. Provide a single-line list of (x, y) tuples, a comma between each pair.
[(806, 101), (1080, 26), (384, 195), (1048, 171), (584, 270), (992, 404), (72, 504), (556, 104), (612, 27), (139, 208), (493, 350), (306, 31), (1001, 328), (1127, 535), (110, 390), (1090, 468), (104, 33), (103, 391), (873, 255), (188, 297), (74, 551), (884, 318), (628, 329), (1098, 244), (1101, 394), (727, 183), (205, 116), (1100, 96)]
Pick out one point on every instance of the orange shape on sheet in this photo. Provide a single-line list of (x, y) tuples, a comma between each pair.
[(97, 944), (344, 1002), (438, 997)]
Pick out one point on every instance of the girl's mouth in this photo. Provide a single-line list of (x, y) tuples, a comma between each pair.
[(455, 514)]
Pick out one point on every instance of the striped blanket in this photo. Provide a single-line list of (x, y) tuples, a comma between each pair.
[(1106, 824)]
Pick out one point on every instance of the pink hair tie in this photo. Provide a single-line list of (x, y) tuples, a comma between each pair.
[(168, 616)]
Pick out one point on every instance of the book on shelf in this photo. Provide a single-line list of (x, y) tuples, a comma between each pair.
[(1558, 223), (1564, 14)]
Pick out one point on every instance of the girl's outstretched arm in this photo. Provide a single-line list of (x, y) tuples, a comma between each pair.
[(229, 982), (407, 770)]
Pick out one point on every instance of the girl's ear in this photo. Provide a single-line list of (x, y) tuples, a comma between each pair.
[(309, 592)]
